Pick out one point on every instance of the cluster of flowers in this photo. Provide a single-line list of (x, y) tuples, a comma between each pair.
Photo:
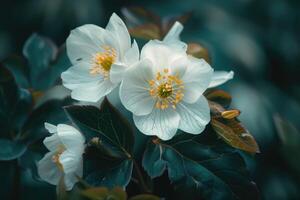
[(161, 85)]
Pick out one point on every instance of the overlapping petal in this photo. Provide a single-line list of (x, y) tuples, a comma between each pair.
[(162, 123)]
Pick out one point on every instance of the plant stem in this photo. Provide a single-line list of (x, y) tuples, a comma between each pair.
[(140, 177)]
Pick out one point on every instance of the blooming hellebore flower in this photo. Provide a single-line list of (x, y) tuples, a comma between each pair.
[(66, 146), (99, 57), (164, 90)]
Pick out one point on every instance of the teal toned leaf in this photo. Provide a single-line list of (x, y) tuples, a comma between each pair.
[(110, 144), (11, 149), (51, 112), (19, 69), (105, 123), (40, 52), (202, 164), (45, 61), (119, 175)]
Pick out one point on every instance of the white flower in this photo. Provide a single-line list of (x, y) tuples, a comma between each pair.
[(66, 146), (164, 90), (99, 57), (173, 36)]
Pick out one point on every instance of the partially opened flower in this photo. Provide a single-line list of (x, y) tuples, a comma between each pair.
[(66, 146), (99, 57), (164, 90), (173, 37)]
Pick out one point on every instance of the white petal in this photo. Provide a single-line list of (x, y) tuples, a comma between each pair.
[(174, 32), (117, 72), (194, 117), (72, 139), (93, 93), (117, 27), (50, 127), (70, 161), (161, 54), (178, 67), (47, 170), (87, 40), (196, 79), (52, 142), (132, 55), (162, 123), (134, 90), (173, 36), (79, 76), (220, 77)]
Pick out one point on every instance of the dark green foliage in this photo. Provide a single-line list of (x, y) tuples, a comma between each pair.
[(109, 154), (203, 164)]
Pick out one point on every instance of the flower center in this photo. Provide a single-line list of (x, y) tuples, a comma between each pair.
[(56, 156), (102, 61), (167, 89)]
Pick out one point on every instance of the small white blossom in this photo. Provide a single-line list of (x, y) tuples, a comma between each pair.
[(99, 57), (164, 90), (66, 146)]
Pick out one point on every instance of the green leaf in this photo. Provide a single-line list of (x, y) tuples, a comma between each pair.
[(15, 104), (102, 193), (105, 123), (40, 52), (11, 149), (51, 111), (17, 66), (119, 175), (45, 61), (145, 197), (202, 164), (110, 138)]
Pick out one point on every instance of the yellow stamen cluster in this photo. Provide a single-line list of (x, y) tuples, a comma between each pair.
[(102, 61), (167, 89), (56, 156)]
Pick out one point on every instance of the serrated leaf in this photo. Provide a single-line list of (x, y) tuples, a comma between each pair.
[(102, 193), (145, 197), (203, 164), (198, 51), (105, 123), (235, 134), (119, 175)]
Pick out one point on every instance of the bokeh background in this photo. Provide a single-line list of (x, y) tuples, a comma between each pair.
[(258, 39)]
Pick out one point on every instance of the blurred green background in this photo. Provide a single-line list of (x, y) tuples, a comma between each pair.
[(258, 39)]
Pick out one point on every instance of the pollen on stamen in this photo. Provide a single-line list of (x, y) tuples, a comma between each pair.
[(167, 89), (103, 61)]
